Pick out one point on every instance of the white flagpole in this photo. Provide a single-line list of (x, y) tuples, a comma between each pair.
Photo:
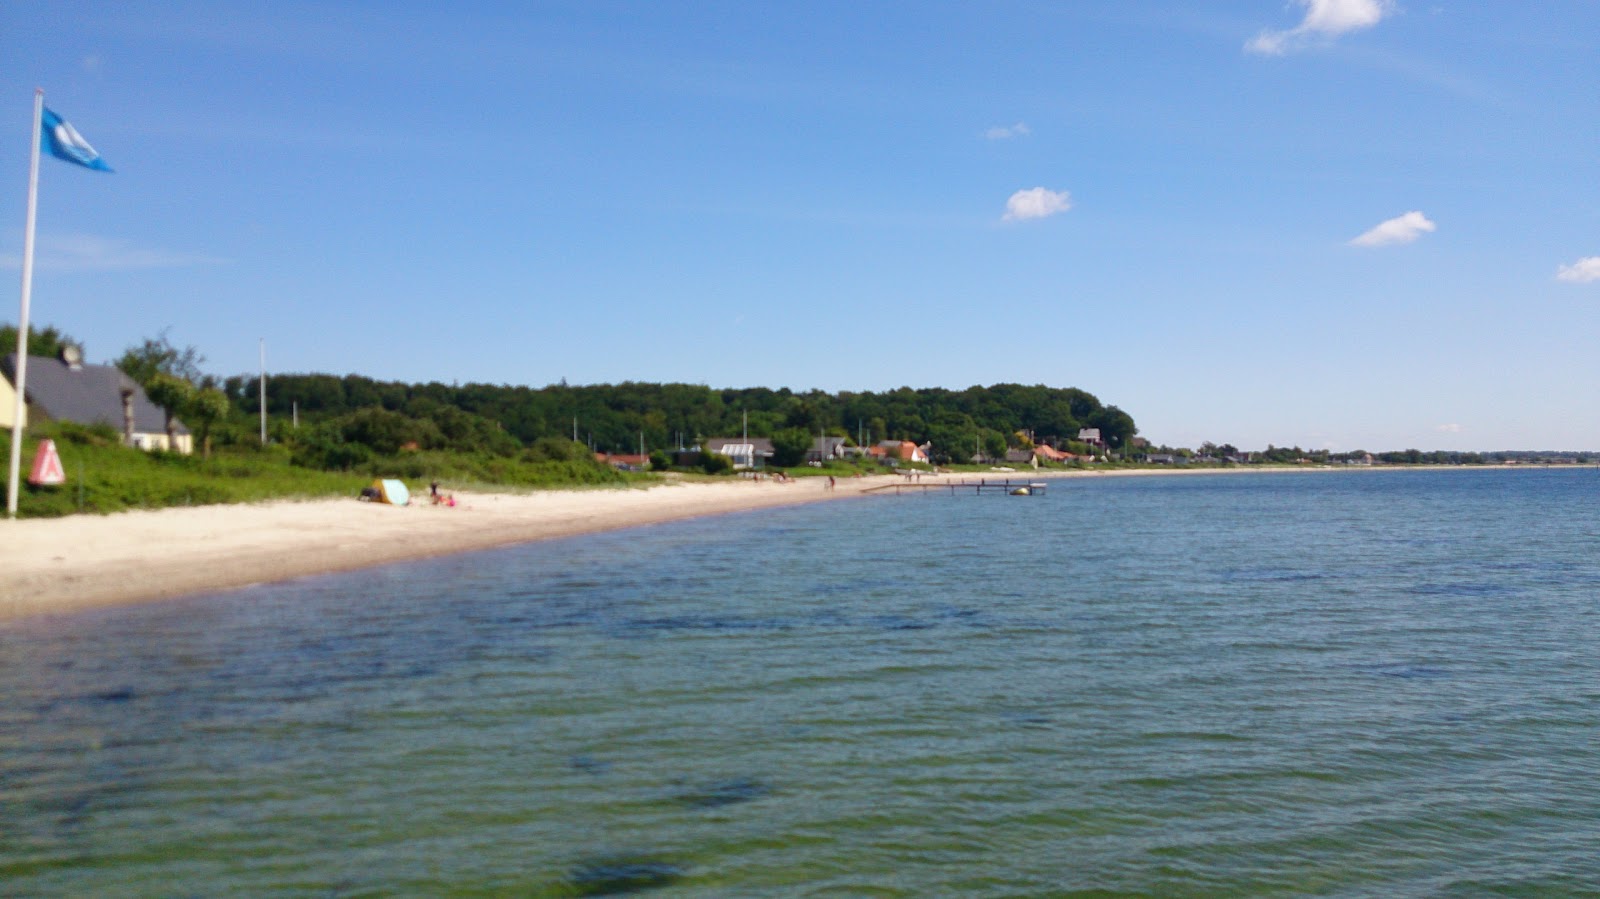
[(21, 407)]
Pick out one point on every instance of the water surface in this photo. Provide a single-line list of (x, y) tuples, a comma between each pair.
[(1380, 683)]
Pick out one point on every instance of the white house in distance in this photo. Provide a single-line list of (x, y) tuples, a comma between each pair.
[(68, 389), (746, 452)]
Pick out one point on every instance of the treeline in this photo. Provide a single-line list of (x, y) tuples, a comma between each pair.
[(387, 415), (1211, 452), (1390, 457)]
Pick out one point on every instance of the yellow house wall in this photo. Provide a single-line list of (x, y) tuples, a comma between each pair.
[(8, 405)]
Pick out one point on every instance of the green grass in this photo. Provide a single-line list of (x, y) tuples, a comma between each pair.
[(103, 476)]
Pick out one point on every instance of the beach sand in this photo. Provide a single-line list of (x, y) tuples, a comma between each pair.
[(67, 564)]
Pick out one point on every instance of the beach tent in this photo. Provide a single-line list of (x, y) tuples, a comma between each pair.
[(392, 492)]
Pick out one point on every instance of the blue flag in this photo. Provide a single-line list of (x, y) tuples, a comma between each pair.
[(64, 142)]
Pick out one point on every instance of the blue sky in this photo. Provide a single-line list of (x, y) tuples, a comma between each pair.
[(1331, 223)]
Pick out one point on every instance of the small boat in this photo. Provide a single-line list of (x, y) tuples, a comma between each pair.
[(1021, 491)]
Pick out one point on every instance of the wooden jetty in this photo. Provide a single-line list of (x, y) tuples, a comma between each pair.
[(965, 485)]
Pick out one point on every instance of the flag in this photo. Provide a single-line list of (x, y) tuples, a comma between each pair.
[(64, 142)]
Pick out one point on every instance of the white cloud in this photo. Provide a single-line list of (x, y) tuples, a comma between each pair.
[(1036, 204), (1451, 428), (88, 253), (1325, 19), (1402, 229), (1006, 132), (1581, 272)]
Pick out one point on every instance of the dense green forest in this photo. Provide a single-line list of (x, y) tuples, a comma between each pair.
[(385, 415)]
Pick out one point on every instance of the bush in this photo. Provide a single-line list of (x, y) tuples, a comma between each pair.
[(789, 447), (99, 434), (715, 463), (326, 449), (556, 449)]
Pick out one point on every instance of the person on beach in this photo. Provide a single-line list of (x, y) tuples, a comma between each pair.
[(830, 482)]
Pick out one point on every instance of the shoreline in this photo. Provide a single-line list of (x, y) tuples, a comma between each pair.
[(80, 562)]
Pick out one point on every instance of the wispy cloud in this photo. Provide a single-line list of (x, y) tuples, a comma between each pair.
[(1325, 20), (1401, 229), (1037, 203), (1451, 428), (1007, 132), (1581, 272), (89, 253)]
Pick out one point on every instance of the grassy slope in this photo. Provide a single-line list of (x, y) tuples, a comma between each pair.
[(104, 476)]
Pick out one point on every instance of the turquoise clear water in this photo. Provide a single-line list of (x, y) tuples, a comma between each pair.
[(1355, 684)]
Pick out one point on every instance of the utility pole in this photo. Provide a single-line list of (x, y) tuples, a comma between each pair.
[(262, 384)]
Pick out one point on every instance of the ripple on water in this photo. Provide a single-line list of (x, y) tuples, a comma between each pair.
[(1146, 686)]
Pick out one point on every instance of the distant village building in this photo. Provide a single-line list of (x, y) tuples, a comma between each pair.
[(752, 452), (826, 448), (900, 451), (1051, 454), (68, 389), (1090, 436), (624, 461)]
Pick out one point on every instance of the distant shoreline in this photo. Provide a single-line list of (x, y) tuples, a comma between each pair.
[(64, 565)]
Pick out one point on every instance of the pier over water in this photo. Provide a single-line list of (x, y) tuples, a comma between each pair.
[(978, 487)]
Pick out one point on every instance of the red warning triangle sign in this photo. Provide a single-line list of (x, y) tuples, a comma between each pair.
[(47, 465)]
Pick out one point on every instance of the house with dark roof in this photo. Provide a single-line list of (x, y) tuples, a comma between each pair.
[(825, 448), (66, 389)]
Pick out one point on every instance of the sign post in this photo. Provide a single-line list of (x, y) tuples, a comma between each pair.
[(47, 468)]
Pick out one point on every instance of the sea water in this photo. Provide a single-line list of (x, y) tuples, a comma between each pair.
[(1375, 683)]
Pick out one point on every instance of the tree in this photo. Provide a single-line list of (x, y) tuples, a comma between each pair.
[(173, 394), (207, 407), (156, 355), (385, 432), (1116, 426), (46, 341), (789, 447), (994, 444)]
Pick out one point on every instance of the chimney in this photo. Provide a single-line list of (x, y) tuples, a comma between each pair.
[(127, 415)]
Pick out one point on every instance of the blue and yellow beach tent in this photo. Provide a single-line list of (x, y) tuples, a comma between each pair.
[(392, 492)]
